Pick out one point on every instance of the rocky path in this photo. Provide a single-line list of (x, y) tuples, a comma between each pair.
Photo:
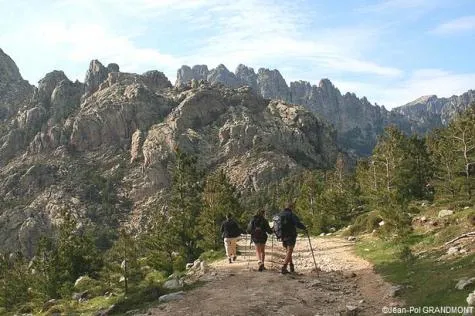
[(346, 284)]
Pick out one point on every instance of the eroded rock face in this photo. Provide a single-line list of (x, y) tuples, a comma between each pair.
[(272, 85), (95, 75), (8, 69), (14, 91), (247, 76), (357, 121), (48, 84), (432, 112), (185, 74), (257, 141), (222, 75), (112, 114)]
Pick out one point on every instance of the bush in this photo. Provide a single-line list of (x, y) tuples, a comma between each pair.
[(406, 255), (212, 255), (366, 222)]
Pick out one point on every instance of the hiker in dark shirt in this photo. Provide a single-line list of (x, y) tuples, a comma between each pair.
[(289, 236), (259, 228), (230, 232)]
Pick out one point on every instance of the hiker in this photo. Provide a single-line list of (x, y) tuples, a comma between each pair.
[(290, 223), (259, 228), (230, 231)]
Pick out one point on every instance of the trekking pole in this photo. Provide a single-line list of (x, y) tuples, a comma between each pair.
[(311, 249), (249, 253), (272, 251)]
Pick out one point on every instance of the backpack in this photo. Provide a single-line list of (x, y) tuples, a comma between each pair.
[(282, 225), (257, 231)]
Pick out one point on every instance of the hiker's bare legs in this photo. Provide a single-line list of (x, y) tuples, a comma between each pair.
[(258, 254), (262, 252)]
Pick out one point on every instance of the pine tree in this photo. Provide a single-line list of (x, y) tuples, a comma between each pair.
[(15, 280), (443, 157), (462, 132), (60, 260), (219, 198), (186, 204), (453, 155)]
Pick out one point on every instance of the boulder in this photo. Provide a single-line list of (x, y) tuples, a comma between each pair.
[(395, 290), (464, 282), (48, 304), (196, 264), (203, 266), (471, 299), (80, 296), (173, 284), (351, 310), (453, 251), (444, 213), (171, 297)]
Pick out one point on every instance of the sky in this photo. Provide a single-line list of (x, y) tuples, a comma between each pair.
[(391, 51)]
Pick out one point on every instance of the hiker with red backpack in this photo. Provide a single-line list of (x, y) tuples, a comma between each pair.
[(259, 228), (285, 228)]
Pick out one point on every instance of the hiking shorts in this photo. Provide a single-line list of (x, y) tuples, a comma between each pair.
[(259, 241), (289, 241)]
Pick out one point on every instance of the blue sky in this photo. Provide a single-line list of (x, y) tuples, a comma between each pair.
[(391, 51)]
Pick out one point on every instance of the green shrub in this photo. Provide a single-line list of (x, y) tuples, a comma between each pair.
[(212, 255), (406, 255), (366, 222)]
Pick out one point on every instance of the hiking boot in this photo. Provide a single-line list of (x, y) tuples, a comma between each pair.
[(230, 260), (234, 258), (291, 268), (261, 267), (284, 270)]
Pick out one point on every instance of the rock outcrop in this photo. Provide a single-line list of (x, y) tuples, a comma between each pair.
[(14, 91), (96, 75), (103, 149), (357, 121), (247, 76), (433, 112)]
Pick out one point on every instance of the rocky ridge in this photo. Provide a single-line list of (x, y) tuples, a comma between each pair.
[(103, 149), (430, 111), (358, 122)]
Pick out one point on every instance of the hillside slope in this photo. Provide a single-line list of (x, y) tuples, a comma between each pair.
[(103, 149)]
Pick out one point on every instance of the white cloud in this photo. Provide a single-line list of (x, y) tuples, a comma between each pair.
[(261, 34), (421, 82), (459, 25), (83, 42), (391, 5)]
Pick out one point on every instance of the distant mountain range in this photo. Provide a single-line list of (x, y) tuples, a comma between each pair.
[(103, 148), (357, 122)]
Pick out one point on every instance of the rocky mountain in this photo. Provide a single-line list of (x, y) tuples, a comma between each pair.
[(357, 122), (103, 149), (430, 111)]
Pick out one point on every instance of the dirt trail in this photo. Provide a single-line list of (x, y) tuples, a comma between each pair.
[(238, 289)]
